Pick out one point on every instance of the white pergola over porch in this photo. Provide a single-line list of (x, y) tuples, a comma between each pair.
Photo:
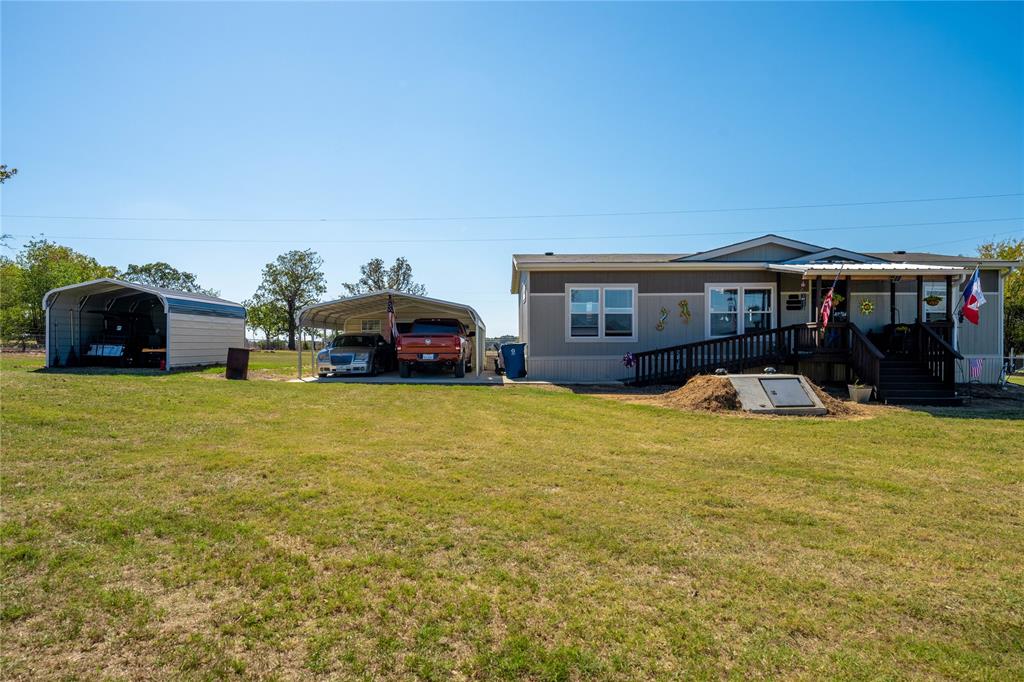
[(332, 315)]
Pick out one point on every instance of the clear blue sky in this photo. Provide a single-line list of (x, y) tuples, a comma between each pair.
[(313, 110)]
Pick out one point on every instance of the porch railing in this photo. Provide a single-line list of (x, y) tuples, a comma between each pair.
[(865, 358), (936, 353), (676, 364)]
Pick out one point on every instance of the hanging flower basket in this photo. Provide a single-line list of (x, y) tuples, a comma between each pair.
[(932, 300)]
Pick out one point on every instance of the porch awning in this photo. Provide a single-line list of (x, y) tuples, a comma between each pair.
[(868, 270)]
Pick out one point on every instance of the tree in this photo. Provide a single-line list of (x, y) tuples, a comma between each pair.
[(39, 267), (6, 173), (293, 280), (160, 274), (374, 277), (1013, 290), (265, 315)]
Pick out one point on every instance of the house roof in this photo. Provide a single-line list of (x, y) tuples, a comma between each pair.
[(531, 258), (751, 243), (938, 258), (701, 260)]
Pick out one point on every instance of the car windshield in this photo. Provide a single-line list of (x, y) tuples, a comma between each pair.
[(354, 341), (435, 327)]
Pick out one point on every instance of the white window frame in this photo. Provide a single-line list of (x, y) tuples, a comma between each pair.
[(364, 330), (601, 337), (741, 287)]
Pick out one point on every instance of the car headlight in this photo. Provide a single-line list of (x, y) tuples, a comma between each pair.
[(324, 354), (361, 357)]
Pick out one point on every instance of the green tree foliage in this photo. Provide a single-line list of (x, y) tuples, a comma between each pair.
[(374, 277), (292, 281), (6, 173), (1013, 290), (160, 274), (265, 315), (39, 267)]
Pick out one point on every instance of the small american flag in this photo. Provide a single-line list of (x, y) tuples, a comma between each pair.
[(826, 307), (391, 331), (976, 365)]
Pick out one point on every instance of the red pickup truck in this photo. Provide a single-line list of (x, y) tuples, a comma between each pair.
[(435, 342)]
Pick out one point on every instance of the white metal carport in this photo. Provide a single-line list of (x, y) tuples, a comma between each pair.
[(177, 328), (342, 314)]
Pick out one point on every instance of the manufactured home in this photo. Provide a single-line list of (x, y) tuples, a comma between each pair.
[(648, 317), (107, 322)]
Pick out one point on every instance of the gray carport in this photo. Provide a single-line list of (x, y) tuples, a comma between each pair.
[(350, 314)]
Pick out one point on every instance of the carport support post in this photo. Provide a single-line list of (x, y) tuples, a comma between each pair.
[(481, 346), (300, 353)]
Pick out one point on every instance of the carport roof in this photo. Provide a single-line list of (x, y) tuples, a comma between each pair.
[(108, 284), (406, 305)]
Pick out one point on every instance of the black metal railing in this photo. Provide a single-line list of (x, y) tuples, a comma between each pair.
[(676, 364)]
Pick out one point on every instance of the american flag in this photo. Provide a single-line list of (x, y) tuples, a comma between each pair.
[(826, 307), (976, 365), (391, 331)]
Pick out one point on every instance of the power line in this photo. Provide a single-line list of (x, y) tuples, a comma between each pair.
[(443, 240), (969, 239), (537, 216)]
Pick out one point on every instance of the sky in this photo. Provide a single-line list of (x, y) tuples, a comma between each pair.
[(258, 128)]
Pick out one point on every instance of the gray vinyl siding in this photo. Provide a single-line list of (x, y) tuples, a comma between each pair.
[(203, 339), (648, 282), (766, 253)]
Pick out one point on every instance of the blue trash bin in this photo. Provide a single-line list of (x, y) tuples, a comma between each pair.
[(514, 357)]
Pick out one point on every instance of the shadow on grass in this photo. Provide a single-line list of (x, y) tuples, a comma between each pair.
[(130, 371)]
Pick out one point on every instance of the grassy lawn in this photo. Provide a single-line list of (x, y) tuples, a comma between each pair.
[(187, 526)]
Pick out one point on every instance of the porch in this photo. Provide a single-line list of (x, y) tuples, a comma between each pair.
[(867, 338)]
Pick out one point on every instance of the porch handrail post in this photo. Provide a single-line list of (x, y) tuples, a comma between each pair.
[(920, 299)]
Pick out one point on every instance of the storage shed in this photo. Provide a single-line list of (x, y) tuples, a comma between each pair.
[(108, 322)]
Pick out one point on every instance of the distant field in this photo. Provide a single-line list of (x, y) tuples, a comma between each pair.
[(185, 526)]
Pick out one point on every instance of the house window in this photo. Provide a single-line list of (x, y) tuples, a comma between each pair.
[(934, 293), (598, 312), (618, 312), (584, 318), (738, 309), (725, 311), (757, 309), (370, 326)]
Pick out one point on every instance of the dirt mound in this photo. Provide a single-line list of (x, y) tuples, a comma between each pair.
[(711, 393), (835, 406), (706, 392)]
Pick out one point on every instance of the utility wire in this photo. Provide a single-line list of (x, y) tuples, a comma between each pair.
[(969, 239), (444, 240), (537, 216)]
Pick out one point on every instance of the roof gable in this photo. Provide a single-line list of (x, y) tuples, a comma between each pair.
[(834, 255), (767, 248)]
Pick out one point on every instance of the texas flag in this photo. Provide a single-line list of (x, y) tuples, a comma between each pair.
[(973, 298)]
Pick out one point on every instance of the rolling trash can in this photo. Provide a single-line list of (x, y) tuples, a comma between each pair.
[(238, 364), (514, 357)]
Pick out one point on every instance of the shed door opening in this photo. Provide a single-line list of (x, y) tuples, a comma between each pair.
[(119, 329)]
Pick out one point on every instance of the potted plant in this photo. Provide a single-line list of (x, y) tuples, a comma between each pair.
[(859, 393)]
